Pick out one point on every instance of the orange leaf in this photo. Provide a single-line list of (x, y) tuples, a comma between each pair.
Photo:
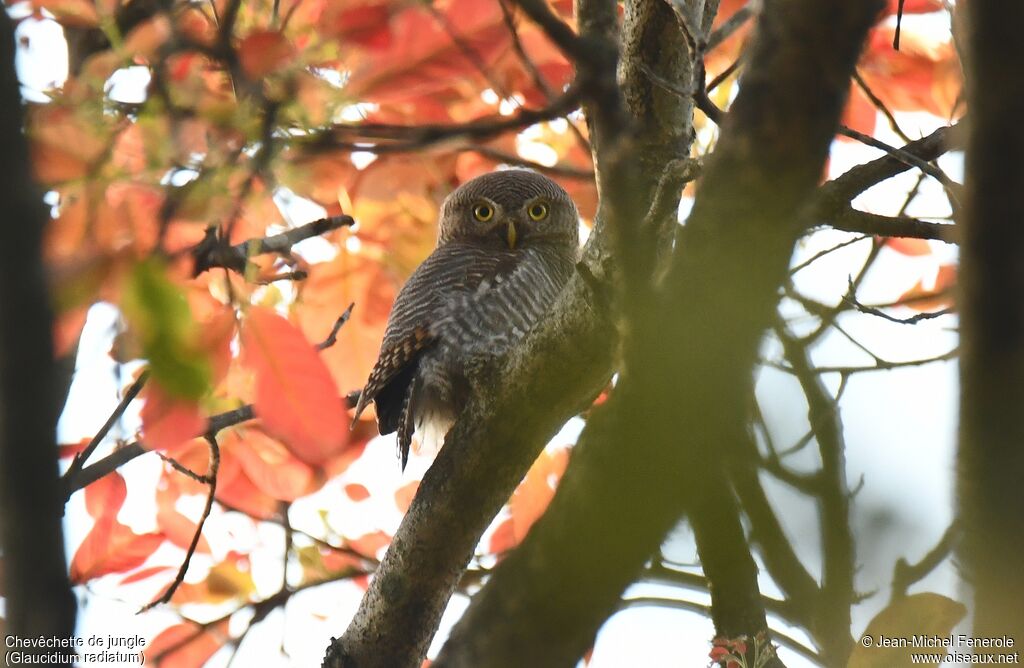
[(924, 75), (860, 114), (357, 492), (424, 59), (145, 573), (178, 529), (364, 22), (111, 547), (169, 422), (938, 297), (329, 287), (240, 492), (67, 328), (65, 142), (186, 645), (370, 544), (264, 52), (534, 494), (914, 7), (269, 465), (503, 538), (405, 494), (909, 246), (295, 395), (105, 497), (215, 336)]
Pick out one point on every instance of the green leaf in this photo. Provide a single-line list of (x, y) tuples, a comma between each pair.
[(159, 316)]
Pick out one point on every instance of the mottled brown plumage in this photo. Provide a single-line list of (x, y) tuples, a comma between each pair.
[(506, 247)]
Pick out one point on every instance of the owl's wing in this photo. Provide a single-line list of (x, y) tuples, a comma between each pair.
[(505, 305), (450, 270)]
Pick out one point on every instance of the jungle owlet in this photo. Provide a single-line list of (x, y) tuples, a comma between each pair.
[(506, 246)]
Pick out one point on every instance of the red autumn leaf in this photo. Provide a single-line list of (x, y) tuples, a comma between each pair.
[(503, 538), (295, 395), (914, 7), (364, 22), (146, 573), (357, 492), (105, 497), (111, 547), (860, 114), (215, 336), (67, 328), (270, 466), (534, 494), (370, 544), (938, 297), (186, 645), (169, 422), (336, 561), (264, 52), (404, 495), (924, 75), (65, 143), (178, 529), (424, 59), (909, 246), (242, 494)]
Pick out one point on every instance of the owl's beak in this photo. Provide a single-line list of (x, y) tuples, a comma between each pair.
[(510, 235)]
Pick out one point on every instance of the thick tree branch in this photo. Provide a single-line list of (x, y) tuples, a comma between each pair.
[(678, 408), (35, 582), (991, 459)]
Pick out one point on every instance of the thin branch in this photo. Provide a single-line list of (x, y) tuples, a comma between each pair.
[(79, 461), (213, 252), (565, 171), (903, 156), (905, 574), (840, 191), (837, 589), (731, 25), (880, 106), (211, 482), (853, 220), (386, 138)]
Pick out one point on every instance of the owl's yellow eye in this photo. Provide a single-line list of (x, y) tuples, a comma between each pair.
[(483, 212), (538, 211)]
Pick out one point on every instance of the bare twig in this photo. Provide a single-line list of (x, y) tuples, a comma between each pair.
[(79, 461), (211, 482)]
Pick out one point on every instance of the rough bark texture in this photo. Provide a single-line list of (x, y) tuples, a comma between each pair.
[(484, 458), (645, 458), (38, 598), (991, 456)]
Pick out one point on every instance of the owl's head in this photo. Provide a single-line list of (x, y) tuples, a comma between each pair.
[(512, 208)]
